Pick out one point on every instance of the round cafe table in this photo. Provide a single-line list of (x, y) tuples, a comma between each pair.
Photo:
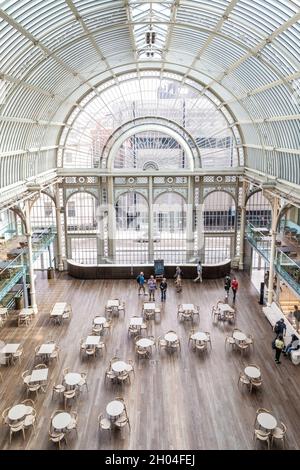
[(72, 379), (171, 337), (267, 421), (145, 343), (115, 408), (119, 366), (18, 412), (199, 336), (61, 421), (99, 320), (239, 336), (252, 372)]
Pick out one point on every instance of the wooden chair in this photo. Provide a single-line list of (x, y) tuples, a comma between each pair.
[(230, 340), (83, 381), (262, 436), (100, 346), (104, 423), (279, 433), (5, 419), (26, 376), (59, 389), (55, 354), (121, 308), (161, 342), (40, 366), (244, 380), (130, 368), (109, 375), (30, 420), (13, 428), (74, 422), (208, 338), (122, 422), (250, 341), (18, 354), (57, 437), (69, 395)]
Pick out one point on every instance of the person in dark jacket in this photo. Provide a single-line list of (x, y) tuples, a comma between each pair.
[(280, 328), (227, 284), (163, 289)]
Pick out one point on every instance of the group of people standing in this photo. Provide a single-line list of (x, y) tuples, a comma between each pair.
[(152, 286)]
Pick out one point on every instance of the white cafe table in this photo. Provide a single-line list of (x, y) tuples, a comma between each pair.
[(72, 379), (225, 308), (58, 309), (171, 337), (252, 372), (145, 343), (18, 412), (10, 348), (136, 321), (39, 375), (26, 312), (112, 303), (47, 348), (188, 307), (149, 306), (267, 421), (119, 366), (92, 340), (61, 421), (239, 336), (99, 320), (199, 336), (115, 408)]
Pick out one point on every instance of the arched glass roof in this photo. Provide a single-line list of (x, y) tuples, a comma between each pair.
[(245, 52), (153, 98)]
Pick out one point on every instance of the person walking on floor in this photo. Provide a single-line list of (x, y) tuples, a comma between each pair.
[(234, 287), (151, 287), (280, 328), (227, 285), (141, 282), (163, 289), (279, 345), (199, 272), (178, 276), (296, 314)]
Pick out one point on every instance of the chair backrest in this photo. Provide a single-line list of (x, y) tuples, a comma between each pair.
[(40, 366), (283, 427), (26, 373), (65, 371), (5, 414), (262, 410), (28, 402)]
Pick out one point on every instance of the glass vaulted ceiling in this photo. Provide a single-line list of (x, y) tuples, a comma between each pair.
[(53, 53)]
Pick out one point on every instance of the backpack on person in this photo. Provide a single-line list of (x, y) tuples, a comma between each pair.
[(277, 328), (138, 279)]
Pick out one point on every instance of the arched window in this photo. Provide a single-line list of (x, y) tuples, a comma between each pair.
[(219, 220), (169, 216), (81, 216), (132, 237)]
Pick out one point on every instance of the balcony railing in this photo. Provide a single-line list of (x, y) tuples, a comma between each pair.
[(11, 271), (288, 268)]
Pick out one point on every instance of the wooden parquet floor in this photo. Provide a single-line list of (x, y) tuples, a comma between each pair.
[(184, 401)]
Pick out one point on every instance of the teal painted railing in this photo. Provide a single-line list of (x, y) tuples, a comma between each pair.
[(18, 266)]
